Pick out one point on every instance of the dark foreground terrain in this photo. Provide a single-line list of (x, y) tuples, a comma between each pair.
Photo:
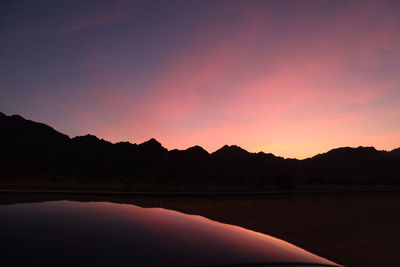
[(34, 153), (354, 229)]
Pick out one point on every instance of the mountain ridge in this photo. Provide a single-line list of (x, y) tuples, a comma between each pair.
[(226, 147), (34, 150)]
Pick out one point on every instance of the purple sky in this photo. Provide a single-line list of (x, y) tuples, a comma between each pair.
[(294, 78)]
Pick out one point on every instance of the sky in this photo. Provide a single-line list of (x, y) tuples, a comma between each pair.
[(293, 78)]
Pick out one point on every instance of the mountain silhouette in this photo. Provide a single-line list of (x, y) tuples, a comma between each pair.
[(395, 152), (231, 152), (152, 146), (192, 153), (35, 151)]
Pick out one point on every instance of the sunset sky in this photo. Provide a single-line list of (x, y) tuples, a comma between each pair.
[(294, 78)]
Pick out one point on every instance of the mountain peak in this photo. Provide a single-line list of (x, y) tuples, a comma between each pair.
[(152, 142), (86, 137), (198, 150), (17, 117), (232, 150), (350, 153), (152, 145), (89, 139)]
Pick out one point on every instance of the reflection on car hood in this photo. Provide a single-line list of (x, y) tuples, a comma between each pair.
[(67, 233)]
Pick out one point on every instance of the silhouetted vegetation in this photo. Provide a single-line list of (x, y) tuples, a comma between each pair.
[(36, 152)]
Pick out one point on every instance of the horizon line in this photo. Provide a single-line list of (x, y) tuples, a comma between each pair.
[(232, 145)]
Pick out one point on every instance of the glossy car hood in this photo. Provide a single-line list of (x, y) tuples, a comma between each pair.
[(67, 233)]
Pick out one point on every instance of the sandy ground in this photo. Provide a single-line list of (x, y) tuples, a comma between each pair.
[(353, 229)]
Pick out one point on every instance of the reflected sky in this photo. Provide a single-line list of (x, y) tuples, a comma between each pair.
[(66, 233)]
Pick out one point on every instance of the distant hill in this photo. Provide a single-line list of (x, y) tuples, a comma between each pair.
[(35, 151)]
